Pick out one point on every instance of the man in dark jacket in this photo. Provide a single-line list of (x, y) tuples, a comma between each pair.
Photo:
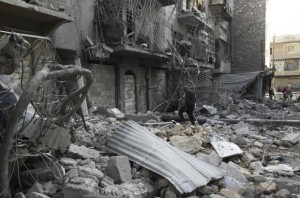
[(188, 105)]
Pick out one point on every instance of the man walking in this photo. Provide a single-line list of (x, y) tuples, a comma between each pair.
[(188, 105)]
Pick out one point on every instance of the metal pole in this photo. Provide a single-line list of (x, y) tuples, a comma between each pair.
[(27, 35)]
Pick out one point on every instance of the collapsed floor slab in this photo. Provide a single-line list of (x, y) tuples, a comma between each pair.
[(184, 171)]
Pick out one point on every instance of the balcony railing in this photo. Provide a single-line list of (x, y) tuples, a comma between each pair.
[(30, 18)]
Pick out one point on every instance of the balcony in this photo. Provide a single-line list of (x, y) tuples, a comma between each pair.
[(193, 18), (222, 8), (147, 55), (167, 2), (22, 17)]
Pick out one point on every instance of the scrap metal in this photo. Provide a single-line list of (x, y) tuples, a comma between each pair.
[(184, 171)]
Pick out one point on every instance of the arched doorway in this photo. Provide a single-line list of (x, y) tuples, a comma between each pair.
[(130, 92)]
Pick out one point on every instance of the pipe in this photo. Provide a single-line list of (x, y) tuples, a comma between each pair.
[(27, 35), (203, 120)]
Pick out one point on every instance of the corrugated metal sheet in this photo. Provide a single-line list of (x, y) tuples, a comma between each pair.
[(184, 171)]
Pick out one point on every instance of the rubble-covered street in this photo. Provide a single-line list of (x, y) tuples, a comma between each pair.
[(267, 166), (148, 99)]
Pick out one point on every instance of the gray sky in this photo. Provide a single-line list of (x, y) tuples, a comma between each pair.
[(284, 17)]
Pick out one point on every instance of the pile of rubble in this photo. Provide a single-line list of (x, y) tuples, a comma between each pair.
[(256, 160)]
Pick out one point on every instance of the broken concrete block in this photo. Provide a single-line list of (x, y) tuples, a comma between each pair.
[(169, 194), (111, 112), (256, 152), (284, 193), (83, 138), (233, 184), (235, 171), (281, 169), (80, 187), (87, 163), (162, 182), (37, 187), (82, 152), (258, 144), (293, 186), (241, 129), (111, 120), (187, 144), (152, 189), (257, 167), (142, 117), (50, 188), (292, 138), (252, 191), (90, 171), (229, 194), (216, 196), (257, 179), (231, 117), (247, 158), (107, 181), (136, 188), (268, 187), (116, 113), (72, 173), (205, 190), (119, 169), (206, 109), (37, 195), (214, 159), (68, 161)]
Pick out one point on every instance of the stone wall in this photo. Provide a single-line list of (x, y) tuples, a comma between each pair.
[(248, 35), (129, 93), (103, 90), (132, 66)]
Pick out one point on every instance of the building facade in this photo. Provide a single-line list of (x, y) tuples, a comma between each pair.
[(140, 52), (285, 59), (249, 35)]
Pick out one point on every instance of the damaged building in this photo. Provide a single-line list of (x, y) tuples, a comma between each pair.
[(140, 51), (97, 85)]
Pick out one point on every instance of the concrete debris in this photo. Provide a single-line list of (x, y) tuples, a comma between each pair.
[(241, 129), (111, 112), (187, 172), (79, 187), (281, 169), (133, 189), (229, 194), (225, 159), (37, 188), (50, 188), (142, 117), (292, 138), (268, 187), (37, 195), (206, 109), (284, 193), (187, 144), (119, 169), (223, 147), (82, 152)]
